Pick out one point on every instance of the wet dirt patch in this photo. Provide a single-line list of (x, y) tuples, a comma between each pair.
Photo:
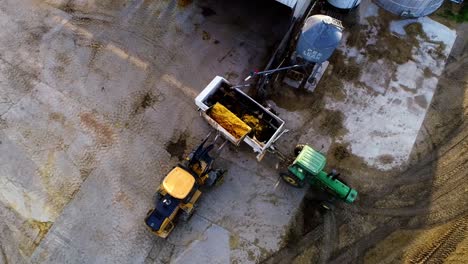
[(146, 100), (388, 45), (177, 148), (415, 30), (421, 101), (102, 131), (57, 117), (386, 159), (341, 158), (334, 87), (294, 100), (67, 7), (428, 72), (348, 71), (341, 152), (332, 123)]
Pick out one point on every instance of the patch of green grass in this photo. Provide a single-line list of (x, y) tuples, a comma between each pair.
[(460, 17)]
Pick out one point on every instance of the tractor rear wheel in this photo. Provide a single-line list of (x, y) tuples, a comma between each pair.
[(292, 179), (298, 149)]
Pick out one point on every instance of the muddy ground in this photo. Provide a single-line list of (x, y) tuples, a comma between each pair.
[(415, 216)]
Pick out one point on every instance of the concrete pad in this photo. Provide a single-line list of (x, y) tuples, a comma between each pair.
[(212, 247), (388, 104)]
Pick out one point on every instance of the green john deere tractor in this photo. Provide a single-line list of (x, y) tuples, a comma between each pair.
[(308, 167)]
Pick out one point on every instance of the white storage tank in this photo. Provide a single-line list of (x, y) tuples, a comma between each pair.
[(344, 4), (410, 8)]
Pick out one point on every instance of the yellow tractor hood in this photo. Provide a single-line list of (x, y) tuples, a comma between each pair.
[(178, 183)]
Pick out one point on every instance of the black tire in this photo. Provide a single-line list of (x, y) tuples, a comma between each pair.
[(149, 212), (185, 217), (298, 149), (219, 180), (292, 179)]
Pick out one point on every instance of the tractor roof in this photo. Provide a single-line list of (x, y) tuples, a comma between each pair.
[(178, 183), (311, 160)]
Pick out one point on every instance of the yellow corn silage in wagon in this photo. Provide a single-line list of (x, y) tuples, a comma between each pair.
[(229, 121)]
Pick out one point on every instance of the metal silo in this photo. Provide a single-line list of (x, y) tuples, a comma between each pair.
[(410, 8), (320, 36), (344, 4)]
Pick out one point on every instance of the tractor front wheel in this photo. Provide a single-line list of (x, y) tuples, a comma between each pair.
[(292, 180)]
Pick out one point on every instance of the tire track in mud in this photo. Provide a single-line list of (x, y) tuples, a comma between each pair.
[(330, 237), (357, 250), (448, 176), (287, 254), (448, 171), (440, 249)]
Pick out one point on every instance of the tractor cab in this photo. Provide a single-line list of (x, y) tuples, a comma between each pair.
[(309, 167), (308, 161), (178, 183), (158, 219)]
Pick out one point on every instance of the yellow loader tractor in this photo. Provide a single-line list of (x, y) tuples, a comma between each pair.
[(179, 192)]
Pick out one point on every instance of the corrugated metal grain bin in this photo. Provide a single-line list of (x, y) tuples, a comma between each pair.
[(410, 8)]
